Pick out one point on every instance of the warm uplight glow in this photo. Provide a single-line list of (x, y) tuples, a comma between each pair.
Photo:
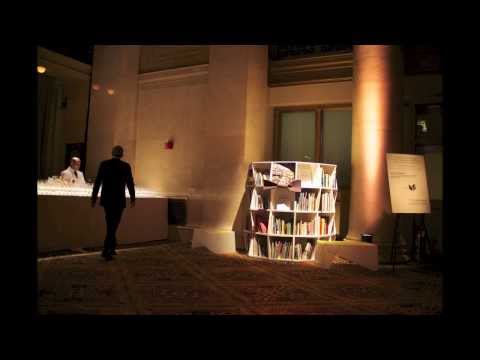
[(373, 113), (41, 69), (375, 118), (96, 87), (110, 91)]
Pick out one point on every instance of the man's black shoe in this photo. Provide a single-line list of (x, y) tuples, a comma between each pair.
[(107, 257)]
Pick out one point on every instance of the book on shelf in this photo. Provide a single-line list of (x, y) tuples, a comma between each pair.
[(280, 227), (256, 248), (308, 250), (331, 226), (312, 227), (258, 179), (329, 180), (256, 201), (260, 222), (317, 175), (328, 202), (302, 254), (308, 201), (260, 175), (282, 250), (305, 174)]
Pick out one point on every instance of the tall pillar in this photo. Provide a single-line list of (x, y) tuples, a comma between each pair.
[(376, 131), (113, 104), (235, 134)]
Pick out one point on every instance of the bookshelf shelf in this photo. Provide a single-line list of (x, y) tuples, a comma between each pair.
[(310, 208), (280, 235)]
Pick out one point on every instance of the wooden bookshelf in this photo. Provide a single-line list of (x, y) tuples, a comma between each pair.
[(279, 208)]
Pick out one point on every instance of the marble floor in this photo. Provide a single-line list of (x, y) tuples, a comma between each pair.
[(174, 279)]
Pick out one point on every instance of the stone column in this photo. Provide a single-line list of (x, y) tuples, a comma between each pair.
[(376, 130), (113, 104), (235, 134)]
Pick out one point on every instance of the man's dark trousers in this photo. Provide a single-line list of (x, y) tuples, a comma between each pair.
[(113, 215)]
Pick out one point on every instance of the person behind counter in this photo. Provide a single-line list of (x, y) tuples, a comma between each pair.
[(72, 174), (113, 175)]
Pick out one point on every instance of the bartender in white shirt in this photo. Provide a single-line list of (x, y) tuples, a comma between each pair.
[(73, 174)]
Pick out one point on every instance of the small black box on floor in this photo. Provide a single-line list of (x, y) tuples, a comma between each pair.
[(367, 238)]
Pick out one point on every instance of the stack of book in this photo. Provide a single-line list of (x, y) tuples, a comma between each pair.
[(317, 176), (258, 177), (328, 202), (281, 227), (327, 226), (329, 180), (257, 201), (307, 253), (308, 202), (323, 226), (282, 250), (255, 248), (308, 227)]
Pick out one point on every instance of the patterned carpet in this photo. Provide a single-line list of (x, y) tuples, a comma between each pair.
[(174, 279)]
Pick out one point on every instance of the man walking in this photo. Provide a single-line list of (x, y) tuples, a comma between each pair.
[(113, 175)]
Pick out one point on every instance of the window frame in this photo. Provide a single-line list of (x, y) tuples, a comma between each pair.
[(319, 113)]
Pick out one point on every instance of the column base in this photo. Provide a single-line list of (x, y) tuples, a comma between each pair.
[(216, 240), (358, 252), (180, 233)]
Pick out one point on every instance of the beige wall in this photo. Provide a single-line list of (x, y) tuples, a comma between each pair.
[(75, 115), (172, 104), (217, 115), (312, 94), (225, 131), (112, 117), (156, 58)]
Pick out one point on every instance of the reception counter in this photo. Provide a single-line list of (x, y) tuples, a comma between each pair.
[(66, 220)]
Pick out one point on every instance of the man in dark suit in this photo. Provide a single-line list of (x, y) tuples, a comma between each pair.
[(113, 175)]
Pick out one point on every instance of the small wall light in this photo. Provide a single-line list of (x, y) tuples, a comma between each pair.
[(110, 91), (96, 87), (41, 69)]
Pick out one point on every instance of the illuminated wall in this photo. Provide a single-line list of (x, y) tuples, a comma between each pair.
[(217, 116), (234, 129), (376, 130), (113, 104), (173, 104)]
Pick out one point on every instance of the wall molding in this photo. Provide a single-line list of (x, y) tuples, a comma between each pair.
[(60, 63), (311, 70), (197, 74)]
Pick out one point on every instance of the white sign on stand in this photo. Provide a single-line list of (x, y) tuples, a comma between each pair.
[(408, 184)]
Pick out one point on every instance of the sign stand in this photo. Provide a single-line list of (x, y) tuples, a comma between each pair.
[(421, 246), (396, 235), (409, 195), (421, 240)]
